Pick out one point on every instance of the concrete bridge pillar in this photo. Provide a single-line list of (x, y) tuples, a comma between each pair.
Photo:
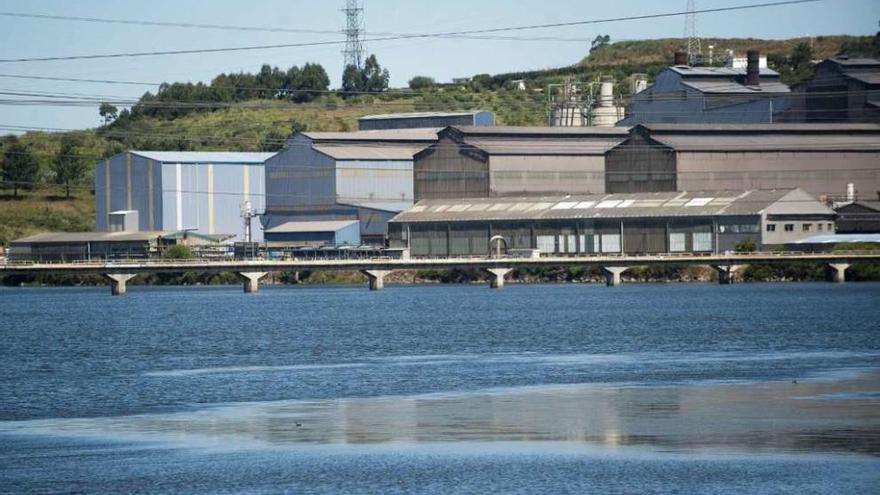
[(612, 274), (497, 274), (839, 275), (377, 278), (727, 273), (118, 282), (251, 281)]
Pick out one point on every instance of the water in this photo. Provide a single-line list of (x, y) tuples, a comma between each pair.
[(568, 388)]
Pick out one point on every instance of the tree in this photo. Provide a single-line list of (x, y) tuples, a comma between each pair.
[(421, 82), (107, 112), (352, 79), (178, 252), (20, 167), (600, 42), (374, 76), (69, 166)]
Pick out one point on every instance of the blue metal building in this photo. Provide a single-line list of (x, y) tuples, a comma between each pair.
[(365, 176), (180, 190)]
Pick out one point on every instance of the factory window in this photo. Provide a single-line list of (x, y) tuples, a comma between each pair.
[(820, 226), (676, 243), (789, 227), (807, 227), (546, 243), (830, 227), (610, 243), (702, 241), (771, 227)]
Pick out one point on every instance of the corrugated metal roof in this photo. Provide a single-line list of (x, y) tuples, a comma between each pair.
[(204, 156), (427, 135), (372, 151), (850, 61), (762, 128), (775, 142), (688, 71), (732, 87), (865, 77), (417, 115), (71, 237), (597, 206), (523, 146), (511, 131), (311, 226), (389, 206)]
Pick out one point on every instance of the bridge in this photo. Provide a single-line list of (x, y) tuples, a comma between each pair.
[(119, 272)]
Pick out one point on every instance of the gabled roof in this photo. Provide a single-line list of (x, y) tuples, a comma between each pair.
[(536, 140), (311, 226), (79, 237), (733, 87), (764, 137), (418, 135), (204, 156), (845, 61), (687, 71), (537, 132), (386, 206), (634, 205), (370, 151), (418, 115)]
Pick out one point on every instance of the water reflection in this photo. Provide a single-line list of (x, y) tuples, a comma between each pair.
[(813, 416)]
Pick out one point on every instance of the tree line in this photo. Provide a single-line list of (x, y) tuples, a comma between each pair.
[(296, 84), (20, 169)]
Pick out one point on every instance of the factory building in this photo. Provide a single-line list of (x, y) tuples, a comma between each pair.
[(821, 159), (181, 190), (425, 120), (686, 94), (672, 222), (844, 89), (472, 161), (327, 176)]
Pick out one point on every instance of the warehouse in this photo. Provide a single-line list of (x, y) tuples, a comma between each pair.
[(70, 246), (416, 120), (745, 92), (821, 159), (314, 234), (844, 89), (364, 176), (506, 161), (700, 222), (181, 190)]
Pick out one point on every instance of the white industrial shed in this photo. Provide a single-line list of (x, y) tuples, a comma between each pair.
[(179, 190)]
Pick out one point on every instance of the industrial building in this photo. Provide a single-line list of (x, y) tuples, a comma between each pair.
[(70, 246), (844, 89), (315, 233), (181, 190), (736, 94), (327, 176), (469, 162), (821, 159), (425, 120), (670, 222)]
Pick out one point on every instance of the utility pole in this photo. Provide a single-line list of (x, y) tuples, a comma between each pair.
[(353, 53), (694, 50)]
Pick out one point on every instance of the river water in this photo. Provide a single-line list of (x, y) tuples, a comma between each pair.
[(674, 388)]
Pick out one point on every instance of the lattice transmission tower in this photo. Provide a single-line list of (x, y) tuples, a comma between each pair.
[(694, 50), (353, 52)]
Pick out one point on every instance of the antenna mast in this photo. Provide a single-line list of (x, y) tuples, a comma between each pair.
[(353, 52), (694, 50)]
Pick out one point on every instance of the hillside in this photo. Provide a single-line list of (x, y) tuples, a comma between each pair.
[(660, 51)]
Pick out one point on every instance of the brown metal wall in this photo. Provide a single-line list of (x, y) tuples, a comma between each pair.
[(639, 166), (816, 172), (546, 174), (444, 172)]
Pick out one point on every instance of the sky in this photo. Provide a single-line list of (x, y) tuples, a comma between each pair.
[(441, 59)]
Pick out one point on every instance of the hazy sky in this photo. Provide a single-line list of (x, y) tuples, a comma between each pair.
[(438, 58)]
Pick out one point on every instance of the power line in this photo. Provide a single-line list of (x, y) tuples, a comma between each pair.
[(409, 36)]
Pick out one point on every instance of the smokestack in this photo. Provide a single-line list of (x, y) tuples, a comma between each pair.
[(681, 58), (753, 68)]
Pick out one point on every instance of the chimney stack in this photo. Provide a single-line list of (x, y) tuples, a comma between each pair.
[(680, 58), (753, 68)]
